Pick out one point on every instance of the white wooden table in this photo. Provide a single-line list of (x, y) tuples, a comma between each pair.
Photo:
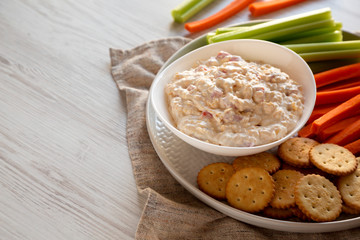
[(65, 172)]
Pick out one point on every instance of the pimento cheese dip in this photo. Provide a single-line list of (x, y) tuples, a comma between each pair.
[(229, 101)]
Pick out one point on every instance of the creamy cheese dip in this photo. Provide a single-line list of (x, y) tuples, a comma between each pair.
[(229, 101)]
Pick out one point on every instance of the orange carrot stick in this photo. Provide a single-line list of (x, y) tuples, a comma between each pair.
[(351, 82), (353, 147), (261, 8), (335, 96), (347, 109), (347, 135), (306, 132), (228, 11), (337, 127), (318, 111), (337, 74)]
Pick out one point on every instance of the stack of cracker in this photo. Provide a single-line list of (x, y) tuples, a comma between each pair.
[(305, 179)]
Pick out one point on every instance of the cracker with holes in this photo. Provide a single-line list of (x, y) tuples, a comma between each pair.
[(295, 151), (318, 198), (350, 210), (306, 171), (264, 160), (349, 187), (212, 179), (298, 213), (285, 182), (333, 159), (277, 213), (250, 189)]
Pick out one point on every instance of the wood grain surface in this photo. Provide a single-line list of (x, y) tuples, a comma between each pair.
[(65, 172)]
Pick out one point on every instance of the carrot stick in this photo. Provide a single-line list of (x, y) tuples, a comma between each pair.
[(341, 95), (261, 8), (337, 74), (228, 11), (306, 132), (347, 135), (347, 109), (337, 127), (352, 82), (318, 111), (353, 147)]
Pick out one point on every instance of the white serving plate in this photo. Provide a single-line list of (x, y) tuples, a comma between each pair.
[(184, 162)]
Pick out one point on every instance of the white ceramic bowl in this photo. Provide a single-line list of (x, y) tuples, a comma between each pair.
[(251, 50)]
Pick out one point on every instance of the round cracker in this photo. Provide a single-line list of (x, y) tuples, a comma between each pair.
[(250, 189), (306, 171), (277, 213), (318, 198), (298, 213), (349, 187), (285, 182), (333, 159), (350, 210), (264, 160), (295, 151), (212, 179)]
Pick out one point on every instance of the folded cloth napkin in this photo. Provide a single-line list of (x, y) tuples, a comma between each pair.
[(170, 211)]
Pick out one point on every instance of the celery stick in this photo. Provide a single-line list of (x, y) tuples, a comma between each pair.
[(326, 46), (330, 55), (335, 36), (197, 8), (181, 9), (209, 35), (309, 17), (188, 8), (229, 29), (222, 30), (336, 26), (285, 33)]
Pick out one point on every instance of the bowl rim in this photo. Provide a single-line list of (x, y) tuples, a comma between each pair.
[(230, 150)]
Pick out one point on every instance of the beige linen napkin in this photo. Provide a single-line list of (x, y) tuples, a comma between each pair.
[(170, 211)]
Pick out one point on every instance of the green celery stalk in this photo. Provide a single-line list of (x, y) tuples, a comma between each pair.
[(188, 8), (229, 29), (335, 36), (209, 35), (178, 12), (286, 33), (222, 30), (325, 46), (330, 55), (273, 25), (336, 26)]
